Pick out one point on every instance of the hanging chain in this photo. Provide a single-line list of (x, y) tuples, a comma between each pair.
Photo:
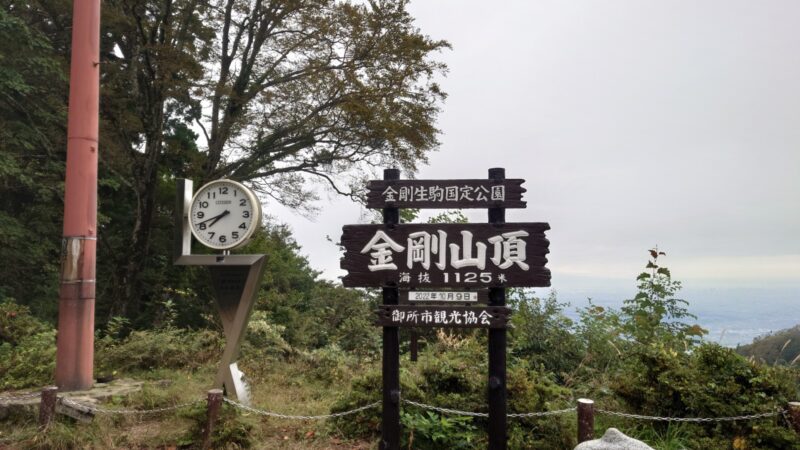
[(96, 409), (446, 410), (691, 419), (543, 413), (289, 416), (477, 414), (14, 398)]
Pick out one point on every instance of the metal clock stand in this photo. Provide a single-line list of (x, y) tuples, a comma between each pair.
[(236, 279)]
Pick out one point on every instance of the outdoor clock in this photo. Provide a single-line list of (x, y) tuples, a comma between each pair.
[(224, 214)]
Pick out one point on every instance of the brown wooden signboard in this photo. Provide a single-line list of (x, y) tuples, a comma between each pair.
[(445, 194), (446, 255), (443, 316)]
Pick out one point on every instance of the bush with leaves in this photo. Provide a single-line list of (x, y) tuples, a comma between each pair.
[(150, 349), (654, 314), (451, 374), (543, 335), (27, 348)]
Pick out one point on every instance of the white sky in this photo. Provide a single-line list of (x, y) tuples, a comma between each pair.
[(635, 123)]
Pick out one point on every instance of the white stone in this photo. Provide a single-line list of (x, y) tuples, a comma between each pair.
[(614, 440)]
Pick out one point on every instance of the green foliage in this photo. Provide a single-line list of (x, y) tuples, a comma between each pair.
[(674, 436), (150, 349), (654, 315), (542, 334), (450, 374), (266, 337), (782, 347), (231, 430), (431, 431), (599, 330), (452, 216), (27, 348), (32, 135), (17, 323), (31, 362)]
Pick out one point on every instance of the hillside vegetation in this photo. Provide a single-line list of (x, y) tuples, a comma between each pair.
[(781, 347), (646, 358)]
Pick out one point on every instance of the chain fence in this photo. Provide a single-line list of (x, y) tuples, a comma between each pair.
[(16, 398), (122, 411), (296, 417), (777, 412), (98, 410), (480, 414)]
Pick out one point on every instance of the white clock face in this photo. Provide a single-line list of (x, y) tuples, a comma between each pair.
[(224, 214)]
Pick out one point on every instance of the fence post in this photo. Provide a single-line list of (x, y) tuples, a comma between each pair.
[(794, 415), (585, 420), (214, 405), (47, 406)]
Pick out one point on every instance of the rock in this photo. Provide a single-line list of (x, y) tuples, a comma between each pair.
[(614, 440)]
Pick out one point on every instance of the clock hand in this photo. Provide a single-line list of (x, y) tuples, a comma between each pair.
[(216, 219), (218, 216)]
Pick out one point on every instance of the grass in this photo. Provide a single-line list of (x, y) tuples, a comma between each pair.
[(285, 387)]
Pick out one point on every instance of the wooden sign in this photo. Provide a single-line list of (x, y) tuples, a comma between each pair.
[(443, 316), (417, 297), (445, 194), (446, 255)]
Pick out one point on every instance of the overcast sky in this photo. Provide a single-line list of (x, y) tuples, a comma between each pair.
[(635, 123)]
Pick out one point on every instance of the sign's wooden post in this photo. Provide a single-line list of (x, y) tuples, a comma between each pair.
[(443, 275), (390, 429), (498, 436)]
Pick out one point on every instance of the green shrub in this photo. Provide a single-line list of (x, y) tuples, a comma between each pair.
[(542, 334), (265, 337), (149, 349), (711, 381), (430, 431), (17, 323), (30, 363), (231, 430), (452, 374), (27, 348)]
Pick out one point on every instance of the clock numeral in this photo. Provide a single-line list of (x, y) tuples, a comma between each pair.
[(204, 204), (223, 190), (211, 195), (242, 202), (245, 214), (243, 226), (235, 191), (234, 235), (200, 214), (211, 233), (201, 226), (222, 238)]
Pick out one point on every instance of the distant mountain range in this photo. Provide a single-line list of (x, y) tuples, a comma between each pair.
[(782, 347)]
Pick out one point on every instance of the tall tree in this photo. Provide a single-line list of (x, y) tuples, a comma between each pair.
[(32, 144), (283, 93), (286, 95)]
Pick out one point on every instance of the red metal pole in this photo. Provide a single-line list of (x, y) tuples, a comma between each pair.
[(75, 355)]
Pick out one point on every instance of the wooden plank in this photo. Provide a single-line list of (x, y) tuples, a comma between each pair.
[(438, 316), (446, 255), (453, 194)]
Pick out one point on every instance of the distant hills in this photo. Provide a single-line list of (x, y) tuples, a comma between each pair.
[(782, 347)]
